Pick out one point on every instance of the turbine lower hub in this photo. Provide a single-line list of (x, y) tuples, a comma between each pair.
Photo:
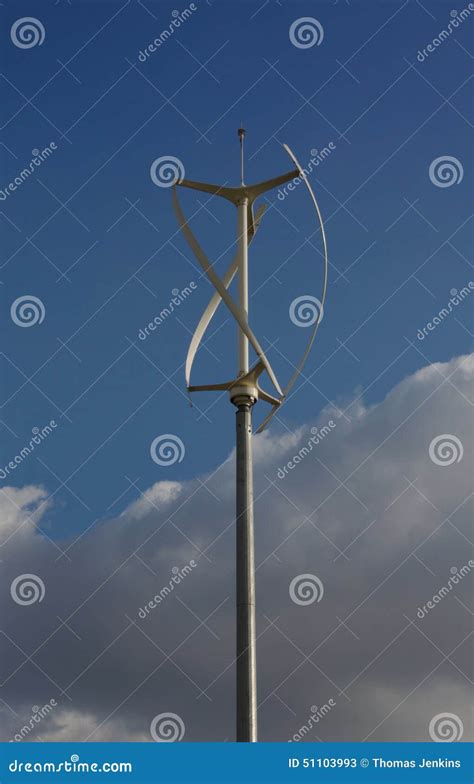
[(243, 394)]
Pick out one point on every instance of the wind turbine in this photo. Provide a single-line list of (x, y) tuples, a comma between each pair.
[(244, 392)]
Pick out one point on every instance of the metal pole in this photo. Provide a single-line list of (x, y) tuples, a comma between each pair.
[(242, 245), (245, 584), (245, 559)]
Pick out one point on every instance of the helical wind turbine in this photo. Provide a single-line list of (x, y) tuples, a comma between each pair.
[(244, 391)]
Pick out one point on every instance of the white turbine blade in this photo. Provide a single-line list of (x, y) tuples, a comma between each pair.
[(301, 363), (235, 194), (267, 185), (215, 302), (205, 320), (236, 311), (206, 187)]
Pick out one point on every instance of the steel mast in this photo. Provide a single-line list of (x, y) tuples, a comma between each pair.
[(246, 650)]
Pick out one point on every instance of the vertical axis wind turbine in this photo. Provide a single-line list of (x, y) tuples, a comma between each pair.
[(244, 392)]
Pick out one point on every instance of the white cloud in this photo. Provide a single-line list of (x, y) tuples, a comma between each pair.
[(158, 495), (366, 510)]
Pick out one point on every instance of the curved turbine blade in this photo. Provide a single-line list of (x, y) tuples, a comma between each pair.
[(301, 363), (207, 187), (236, 311), (216, 299), (261, 187)]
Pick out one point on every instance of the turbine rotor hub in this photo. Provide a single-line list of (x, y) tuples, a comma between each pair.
[(242, 394)]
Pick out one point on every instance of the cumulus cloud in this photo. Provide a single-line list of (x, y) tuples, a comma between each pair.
[(365, 509)]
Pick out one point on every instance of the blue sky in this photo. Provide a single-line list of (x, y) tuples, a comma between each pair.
[(110, 116)]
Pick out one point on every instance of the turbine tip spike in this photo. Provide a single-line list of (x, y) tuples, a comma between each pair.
[(241, 133)]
